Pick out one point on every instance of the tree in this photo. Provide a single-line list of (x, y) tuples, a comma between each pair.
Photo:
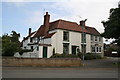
[(112, 25), (10, 44)]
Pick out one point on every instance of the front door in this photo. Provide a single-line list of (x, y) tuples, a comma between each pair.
[(44, 52), (74, 49)]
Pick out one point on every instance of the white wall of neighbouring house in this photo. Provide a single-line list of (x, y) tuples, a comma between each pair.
[(47, 41), (25, 44)]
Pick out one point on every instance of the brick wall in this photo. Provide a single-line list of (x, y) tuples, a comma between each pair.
[(40, 62)]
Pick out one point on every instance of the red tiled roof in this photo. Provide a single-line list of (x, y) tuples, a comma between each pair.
[(62, 24), (40, 32), (49, 35), (29, 35), (92, 30), (67, 25)]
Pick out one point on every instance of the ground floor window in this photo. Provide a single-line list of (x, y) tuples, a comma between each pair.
[(65, 48), (92, 48), (95, 49)]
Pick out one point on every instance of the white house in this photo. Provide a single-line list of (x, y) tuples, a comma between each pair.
[(64, 36)]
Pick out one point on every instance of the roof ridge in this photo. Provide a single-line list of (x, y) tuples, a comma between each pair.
[(59, 23), (68, 21)]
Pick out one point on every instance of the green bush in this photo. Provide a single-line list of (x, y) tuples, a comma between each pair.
[(89, 56), (64, 56)]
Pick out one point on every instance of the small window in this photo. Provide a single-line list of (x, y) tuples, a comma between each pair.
[(65, 36), (31, 47), (97, 49), (37, 48), (30, 39)]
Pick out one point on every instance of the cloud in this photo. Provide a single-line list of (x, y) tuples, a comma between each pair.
[(94, 11), (34, 19)]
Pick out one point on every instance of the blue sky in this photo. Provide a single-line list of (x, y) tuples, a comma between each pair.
[(20, 15)]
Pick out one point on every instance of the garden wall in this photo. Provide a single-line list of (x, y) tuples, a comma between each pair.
[(41, 62)]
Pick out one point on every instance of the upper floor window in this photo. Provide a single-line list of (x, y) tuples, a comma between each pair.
[(99, 39), (95, 38), (92, 37), (65, 36), (31, 47), (83, 38)]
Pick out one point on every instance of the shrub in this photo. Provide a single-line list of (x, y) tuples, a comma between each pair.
[(89, 56), (64, 56)]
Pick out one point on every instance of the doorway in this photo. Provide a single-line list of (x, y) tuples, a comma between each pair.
[(44, 52)]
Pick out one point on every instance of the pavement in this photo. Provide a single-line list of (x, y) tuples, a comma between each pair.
[(102, 68)]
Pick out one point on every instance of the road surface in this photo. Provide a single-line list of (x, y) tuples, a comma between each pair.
[(92, 69)]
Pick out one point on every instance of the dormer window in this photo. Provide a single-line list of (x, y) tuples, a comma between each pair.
[(65, 36)]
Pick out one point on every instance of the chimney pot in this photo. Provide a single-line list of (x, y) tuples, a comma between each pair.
[(82, 23), (46, 13), (29, 31)]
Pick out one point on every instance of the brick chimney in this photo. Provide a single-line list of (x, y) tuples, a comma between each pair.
[(46, 23), (29, 31), (82, 23)]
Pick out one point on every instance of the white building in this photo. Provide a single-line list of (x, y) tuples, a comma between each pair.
[(64, 36)]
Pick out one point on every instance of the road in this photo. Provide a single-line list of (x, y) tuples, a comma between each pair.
[(91, 69)]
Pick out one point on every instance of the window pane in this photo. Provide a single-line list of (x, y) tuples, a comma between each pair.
[(95, 38), (66, 36), (65, 48), (99, 49), (37, 48)]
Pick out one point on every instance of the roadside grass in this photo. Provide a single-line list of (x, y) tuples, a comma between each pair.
[(116, 64)]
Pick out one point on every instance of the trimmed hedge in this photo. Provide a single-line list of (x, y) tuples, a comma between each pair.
[(87, 56), (90, 56), (64, 56)]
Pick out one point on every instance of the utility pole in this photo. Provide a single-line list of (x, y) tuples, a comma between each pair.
[(83, 26)]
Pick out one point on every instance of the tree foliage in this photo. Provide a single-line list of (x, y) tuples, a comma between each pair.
[(112, 25), (10, 44)]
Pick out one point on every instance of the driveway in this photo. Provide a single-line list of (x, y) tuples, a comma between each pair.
[(103, 68)]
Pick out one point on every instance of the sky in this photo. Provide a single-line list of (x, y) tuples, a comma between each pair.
[(19, 15)]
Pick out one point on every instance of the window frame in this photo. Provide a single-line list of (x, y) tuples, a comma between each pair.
[(65, 36)]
